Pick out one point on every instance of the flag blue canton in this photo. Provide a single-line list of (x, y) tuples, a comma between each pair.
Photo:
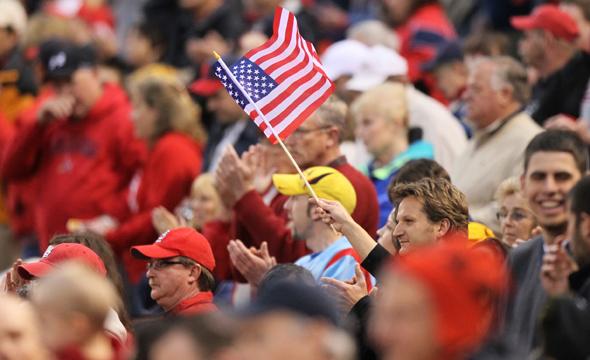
[(252, 78)]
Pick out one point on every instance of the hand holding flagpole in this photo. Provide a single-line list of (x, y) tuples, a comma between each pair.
[(268, 124)]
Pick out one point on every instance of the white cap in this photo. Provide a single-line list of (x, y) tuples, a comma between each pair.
[(379, 63), (343, 58), (12, 14)]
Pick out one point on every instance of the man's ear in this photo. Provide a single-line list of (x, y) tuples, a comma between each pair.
[(443, 227), (195, 274)]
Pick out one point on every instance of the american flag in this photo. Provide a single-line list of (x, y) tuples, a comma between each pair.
[(284, 77)]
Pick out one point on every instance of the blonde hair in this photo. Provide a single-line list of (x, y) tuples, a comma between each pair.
[(73, 288), (176, 109), (510, 186), (42, 27), (387, 100), (204, 183)]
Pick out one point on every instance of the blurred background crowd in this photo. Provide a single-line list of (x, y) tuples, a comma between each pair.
[(144, 215)]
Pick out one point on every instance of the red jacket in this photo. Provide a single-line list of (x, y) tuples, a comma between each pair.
[(79, 166), (20, 194), (199, 304), (420, 37), (172, 165), (256, 222)]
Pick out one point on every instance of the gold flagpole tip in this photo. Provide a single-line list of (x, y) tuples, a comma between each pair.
[(216, 55)]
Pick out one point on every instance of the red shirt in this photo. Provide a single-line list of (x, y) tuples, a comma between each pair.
[(79, 167), (201, 303), (172, 165)]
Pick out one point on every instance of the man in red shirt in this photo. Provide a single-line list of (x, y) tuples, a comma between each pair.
[(80, 152), (180, 266)]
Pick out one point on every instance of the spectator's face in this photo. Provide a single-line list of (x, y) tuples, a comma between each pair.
[(205, 207), (282, 336), (308, 143), (144, 118), (8, 40), (139, 50), (85, 87), (397, 10), (546, 183), (376, 133), (516, 219), (531, 47), (402, 321), (298, 213), (171, 283), (412, 225), (225, 109), (19, 333), (481, 98), (175, 344), (451, 79), (578, 233)]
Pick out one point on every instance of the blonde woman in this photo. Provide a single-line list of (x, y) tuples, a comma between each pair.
[(517, 221), (204, 211)]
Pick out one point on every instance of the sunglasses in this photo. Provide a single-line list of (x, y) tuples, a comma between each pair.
[(160, 264)]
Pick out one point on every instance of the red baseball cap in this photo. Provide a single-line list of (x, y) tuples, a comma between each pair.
[(463, 284), (185, 242), (205, 87), (58, 254), (548, 17)]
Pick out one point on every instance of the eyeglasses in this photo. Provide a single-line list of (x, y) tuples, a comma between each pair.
[(160, 264), (302, 131), (515, 215)]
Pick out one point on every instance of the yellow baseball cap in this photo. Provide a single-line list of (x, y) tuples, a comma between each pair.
[(479, 232), (328, 183)]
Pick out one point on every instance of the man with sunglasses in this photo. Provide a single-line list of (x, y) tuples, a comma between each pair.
[(179, 271)]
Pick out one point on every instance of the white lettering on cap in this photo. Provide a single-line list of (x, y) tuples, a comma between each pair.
[(162, 236), (56, 61), (48, 251)]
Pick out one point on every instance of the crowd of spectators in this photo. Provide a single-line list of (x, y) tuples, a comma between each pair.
[(443, 210)]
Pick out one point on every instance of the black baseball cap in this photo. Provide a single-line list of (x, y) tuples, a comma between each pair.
[(301, 299), (447, 52), (60, 59)]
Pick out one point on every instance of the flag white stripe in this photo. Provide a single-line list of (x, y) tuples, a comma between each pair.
[(290, 65), (285, 53), (282, 31)]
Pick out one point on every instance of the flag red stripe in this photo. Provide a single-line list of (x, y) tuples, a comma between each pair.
[(309, 92), (291, 35)]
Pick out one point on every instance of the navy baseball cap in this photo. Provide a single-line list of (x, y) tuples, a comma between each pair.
[(447, 52), (60, 59), (297, 298)]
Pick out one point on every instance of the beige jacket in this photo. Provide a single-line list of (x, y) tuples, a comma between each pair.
[(492, 155)]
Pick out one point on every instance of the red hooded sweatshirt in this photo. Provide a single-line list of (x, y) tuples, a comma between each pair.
[(80, 167)]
